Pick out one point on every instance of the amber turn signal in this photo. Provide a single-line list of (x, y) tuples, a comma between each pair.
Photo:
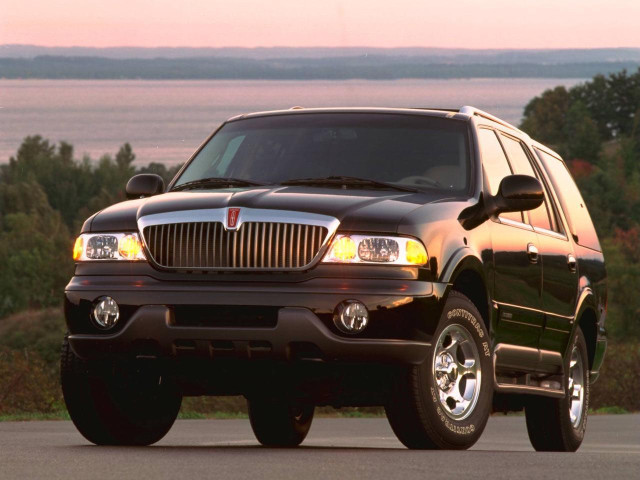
[(78, 248), (130, 247)]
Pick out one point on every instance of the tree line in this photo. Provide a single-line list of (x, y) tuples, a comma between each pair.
[(45, 195)]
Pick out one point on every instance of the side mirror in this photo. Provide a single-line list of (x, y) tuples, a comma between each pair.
[(517, 193), (144, 185)]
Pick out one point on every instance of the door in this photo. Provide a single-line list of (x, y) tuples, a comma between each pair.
[(517, 267), (560, 277), (559, 268)]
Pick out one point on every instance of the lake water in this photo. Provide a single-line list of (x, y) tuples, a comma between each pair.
[(165, 121)]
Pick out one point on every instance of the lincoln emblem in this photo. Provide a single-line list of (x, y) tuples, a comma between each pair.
[(232, 217)]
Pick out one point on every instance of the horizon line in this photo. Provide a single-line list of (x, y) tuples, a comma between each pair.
[(258, 47)]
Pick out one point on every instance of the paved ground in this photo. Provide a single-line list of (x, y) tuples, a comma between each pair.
[(335, 448)]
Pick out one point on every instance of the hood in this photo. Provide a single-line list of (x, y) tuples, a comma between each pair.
[(356, 209)]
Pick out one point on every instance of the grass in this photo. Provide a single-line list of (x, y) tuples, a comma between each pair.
[(190, 415), (609, 411), (350, 414), (63, 415), (34, 416), (219, 415)]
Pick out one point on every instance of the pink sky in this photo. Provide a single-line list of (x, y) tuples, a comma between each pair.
[(388, 23)]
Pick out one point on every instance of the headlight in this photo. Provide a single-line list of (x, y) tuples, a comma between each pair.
[(373, 249), (108, 246)]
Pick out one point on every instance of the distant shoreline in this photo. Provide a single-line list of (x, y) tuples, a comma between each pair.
[(368, 67), (277, 80)]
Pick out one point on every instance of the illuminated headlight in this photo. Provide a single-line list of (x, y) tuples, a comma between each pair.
[(108, 246), (373, 249)]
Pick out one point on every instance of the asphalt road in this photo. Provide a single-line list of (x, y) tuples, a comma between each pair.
[(344, 449)]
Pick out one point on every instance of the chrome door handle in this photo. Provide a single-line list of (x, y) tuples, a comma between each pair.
[(571, 263), (532, 251)]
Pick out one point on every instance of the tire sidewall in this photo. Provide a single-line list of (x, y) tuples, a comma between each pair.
[(576, 435), (460, 433)]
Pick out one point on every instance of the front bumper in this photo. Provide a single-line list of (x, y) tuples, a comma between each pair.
[(298, 335), (404, 314)]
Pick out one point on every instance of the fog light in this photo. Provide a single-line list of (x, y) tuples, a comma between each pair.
[(351, 316), (105, 312)]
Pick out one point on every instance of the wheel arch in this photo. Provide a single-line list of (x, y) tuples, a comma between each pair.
[(468, 278), (587, 320)]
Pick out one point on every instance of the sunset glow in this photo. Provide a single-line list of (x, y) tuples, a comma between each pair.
[(249, 23)]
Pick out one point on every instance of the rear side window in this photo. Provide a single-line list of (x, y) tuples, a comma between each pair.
[(572, 203), (495, 165), (521, 164)]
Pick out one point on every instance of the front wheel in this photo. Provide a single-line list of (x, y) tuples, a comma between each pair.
[(117, 404), (445, 402), (280, 423), (558, 424)]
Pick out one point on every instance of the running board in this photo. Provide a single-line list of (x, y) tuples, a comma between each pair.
[(549, 386), (545, 388)]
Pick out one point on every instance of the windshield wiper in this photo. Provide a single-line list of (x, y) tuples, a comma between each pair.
[(344, 181), (216, 182)]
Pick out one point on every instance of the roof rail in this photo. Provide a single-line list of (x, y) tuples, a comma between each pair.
[(480, 113), (455, 110)]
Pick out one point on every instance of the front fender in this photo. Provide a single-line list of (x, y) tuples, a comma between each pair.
[(464, 258)]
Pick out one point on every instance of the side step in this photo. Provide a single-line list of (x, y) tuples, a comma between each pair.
[(545, 376), (525, 384)]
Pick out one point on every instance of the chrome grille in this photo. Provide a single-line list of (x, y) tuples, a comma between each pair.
[(254, 245)]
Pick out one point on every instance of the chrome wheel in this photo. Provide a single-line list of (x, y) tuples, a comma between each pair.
[(576, 387), (456, 371)]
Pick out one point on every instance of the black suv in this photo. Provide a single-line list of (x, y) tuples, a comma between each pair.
[(439, 263)]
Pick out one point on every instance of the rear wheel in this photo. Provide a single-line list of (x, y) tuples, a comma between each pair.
[(445, 402), (558, 424), (122, 404), (279, 422)]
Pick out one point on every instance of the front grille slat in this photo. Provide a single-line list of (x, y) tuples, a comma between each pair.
[(254, 245), (269, 238), (305, 241), (175, 230), (262, 243)]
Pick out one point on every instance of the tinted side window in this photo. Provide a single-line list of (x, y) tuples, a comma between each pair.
[(495, 165), (522, 165), (572, 203)]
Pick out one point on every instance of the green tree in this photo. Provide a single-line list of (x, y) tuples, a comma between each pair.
[(612, 101), (581, 134), (35, 249), (544, 116)]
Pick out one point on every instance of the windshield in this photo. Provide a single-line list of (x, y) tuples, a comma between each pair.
[(413, 150)]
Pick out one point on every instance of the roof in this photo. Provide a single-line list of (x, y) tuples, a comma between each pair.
[(463, 113)]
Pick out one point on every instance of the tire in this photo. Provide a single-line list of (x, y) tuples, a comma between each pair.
[(279, 423), (422, 410), (117, 404), (558, 424)]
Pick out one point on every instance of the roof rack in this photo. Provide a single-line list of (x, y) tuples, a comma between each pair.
[(453, 110), (480, 113)]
